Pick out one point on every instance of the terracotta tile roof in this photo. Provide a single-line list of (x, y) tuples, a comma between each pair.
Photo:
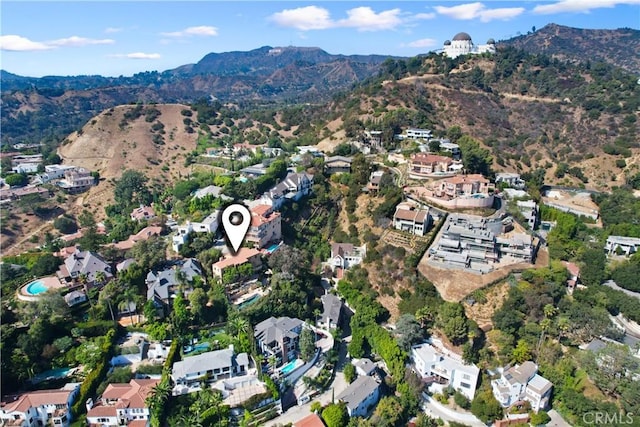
[(312, 420), (415, 215), (423, 158), (38, 398), (131, 395), (241, 257), (259, 215), (102, 411)]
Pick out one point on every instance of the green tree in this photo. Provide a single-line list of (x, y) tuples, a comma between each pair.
[(593, 268), (65, 225), (131, 190), (197, 301), (486, 407), (349, 373), (453, 322), (307, 344), (408, 330), (335, 415), (17, 180), (388, 412), (521, 353), (474, 158)]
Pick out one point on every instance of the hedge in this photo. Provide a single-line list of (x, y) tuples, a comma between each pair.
[(95, 377)]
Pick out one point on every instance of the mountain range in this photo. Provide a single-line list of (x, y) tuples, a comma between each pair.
[(53, 106)]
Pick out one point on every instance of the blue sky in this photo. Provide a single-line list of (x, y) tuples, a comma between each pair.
[(123, 38)]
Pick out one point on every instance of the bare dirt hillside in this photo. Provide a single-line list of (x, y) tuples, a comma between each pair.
[(105, 146), (111, 144)]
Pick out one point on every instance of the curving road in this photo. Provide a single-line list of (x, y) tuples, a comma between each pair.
[(435, 409)]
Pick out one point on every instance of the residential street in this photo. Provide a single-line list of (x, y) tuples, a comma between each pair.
[(339, 384)]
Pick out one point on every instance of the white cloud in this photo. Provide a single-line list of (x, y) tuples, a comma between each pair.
[(503, 14), (462, 11), (422, 43), (202, 30), (21, 44), (478, 10), (76, 41), (365, 19), (137, 55), (578, 6), (361, 18), (420, 16), (111, 30), (304, 18)]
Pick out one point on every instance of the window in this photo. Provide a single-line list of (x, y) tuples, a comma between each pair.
[(465, 385), (466, 376)]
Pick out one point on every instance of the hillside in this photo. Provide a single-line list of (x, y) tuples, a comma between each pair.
[(529, 110), (618, 47), (109, 146), (38, 107)]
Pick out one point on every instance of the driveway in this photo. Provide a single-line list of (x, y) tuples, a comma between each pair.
[(434, 409), (339, 385), (556, 420)]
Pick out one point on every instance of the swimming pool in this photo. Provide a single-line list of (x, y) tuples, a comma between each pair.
[(52, 374), (249, 301), (289, 367), (36, 287), (198, 347), (271, 249)]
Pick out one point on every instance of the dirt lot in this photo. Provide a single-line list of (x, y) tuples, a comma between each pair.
[(482, 313), (454, 285)]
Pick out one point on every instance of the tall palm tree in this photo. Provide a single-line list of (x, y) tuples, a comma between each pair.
[(424, 314), (238, 325), (549, 311), (158, 396), (100, 278), (563, 325), (273, 362)]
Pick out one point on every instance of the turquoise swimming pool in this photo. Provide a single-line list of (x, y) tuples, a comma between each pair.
[(289, 367), (271, 249), (36, 287), (51, 374), (249, 301)]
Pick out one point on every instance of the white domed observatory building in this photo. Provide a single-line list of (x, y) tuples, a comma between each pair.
[(461, 44)]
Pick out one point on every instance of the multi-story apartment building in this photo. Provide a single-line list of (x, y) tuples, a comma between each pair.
[(266, 226)]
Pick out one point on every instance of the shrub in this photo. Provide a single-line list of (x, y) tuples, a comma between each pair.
[(65, 225)]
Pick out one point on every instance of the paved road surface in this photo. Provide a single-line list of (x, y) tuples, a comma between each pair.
[(556, 420), (434, 409)]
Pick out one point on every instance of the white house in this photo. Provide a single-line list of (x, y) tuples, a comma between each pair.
[(207, 225), (443, 368), (39, 408), (121, 404), (512, 180), (628, 245), (213, 365), (522, 382), (416, 133), (293, 187), (360, 396), (409, 218), (346, 255), (529, 210)]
